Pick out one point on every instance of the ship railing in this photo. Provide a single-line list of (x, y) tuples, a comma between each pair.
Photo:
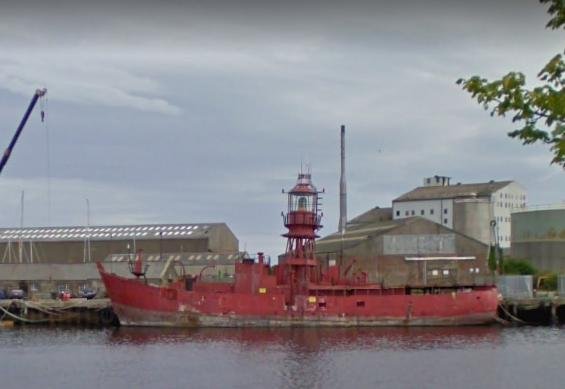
[(307, 218), (254, 258)]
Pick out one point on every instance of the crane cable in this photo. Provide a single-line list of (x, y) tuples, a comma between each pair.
[(43, 105)]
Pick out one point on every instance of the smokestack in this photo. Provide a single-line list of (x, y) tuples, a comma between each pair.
[(342, 187)]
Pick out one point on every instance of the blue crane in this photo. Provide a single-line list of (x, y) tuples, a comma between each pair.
[(38, 93)]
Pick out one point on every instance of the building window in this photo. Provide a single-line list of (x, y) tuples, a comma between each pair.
[(406, 213), (422, 212), (431, 211), (444, 221), (445, 211), (413, 213), (397, 213)]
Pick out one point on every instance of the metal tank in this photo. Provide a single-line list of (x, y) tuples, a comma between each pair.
[(538, 235), (472, 218)]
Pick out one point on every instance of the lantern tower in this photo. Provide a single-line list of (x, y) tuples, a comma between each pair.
[(302, 219)]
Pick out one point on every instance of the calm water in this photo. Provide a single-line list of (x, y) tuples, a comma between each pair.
[(481, 357)]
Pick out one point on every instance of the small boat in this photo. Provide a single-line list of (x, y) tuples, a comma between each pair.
[(296, 292), (87, 293)]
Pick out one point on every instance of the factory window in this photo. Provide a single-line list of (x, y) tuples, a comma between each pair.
[(422, 212), (445, 272), (360, 304), (431, 211)]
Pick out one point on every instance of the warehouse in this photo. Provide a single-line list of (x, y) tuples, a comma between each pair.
[(78, 244), (406, 252), (472, 209), (46, 279)]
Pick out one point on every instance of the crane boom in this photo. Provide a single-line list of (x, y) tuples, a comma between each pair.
[(38, 93)]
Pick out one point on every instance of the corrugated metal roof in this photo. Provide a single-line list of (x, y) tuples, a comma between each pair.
[(356, 234), (453, 191), (80, 233), (376, 214)]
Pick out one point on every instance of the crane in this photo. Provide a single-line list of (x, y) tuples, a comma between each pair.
[(38, 94)]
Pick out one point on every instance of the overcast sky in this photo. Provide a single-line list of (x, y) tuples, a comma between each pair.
[(184, 113)]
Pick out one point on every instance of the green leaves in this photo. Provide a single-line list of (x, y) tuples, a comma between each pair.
[(540, 111), (492, 258), (557, 11)]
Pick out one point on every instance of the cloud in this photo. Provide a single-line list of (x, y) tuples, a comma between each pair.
[(186, 113), (74, 77)]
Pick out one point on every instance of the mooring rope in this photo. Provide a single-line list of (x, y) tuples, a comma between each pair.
[(22, 319), (48, 311), (511, 316)]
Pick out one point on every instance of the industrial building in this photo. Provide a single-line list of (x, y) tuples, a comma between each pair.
[(79, 244), (46, 279), (538, 235), (471, 209), (411, 251)]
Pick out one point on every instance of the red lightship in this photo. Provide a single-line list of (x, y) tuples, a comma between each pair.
[(296, 292)]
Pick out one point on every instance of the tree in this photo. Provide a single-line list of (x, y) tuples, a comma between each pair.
[(540, 111), (492, 258)]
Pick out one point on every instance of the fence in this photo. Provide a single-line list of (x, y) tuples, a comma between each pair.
[(515, 286), (561, 285)]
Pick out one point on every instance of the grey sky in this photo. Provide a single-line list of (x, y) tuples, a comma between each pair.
[(196, 113)]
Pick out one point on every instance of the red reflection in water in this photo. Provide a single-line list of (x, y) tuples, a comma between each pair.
[(316, 339)]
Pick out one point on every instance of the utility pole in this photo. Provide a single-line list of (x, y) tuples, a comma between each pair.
[(21, 243), (88, 256), (342, 187)]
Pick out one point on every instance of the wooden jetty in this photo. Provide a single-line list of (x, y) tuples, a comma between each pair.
[(539, 310), (77, 311)]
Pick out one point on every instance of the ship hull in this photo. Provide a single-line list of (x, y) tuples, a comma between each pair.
[(131, 316), (138, 304)]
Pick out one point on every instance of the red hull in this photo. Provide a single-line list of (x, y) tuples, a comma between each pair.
[(212, 305)]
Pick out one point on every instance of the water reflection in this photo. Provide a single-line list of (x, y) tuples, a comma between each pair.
[(282, 357), (315, 339)]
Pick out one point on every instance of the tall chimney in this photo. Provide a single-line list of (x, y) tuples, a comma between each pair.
[(342, 187)]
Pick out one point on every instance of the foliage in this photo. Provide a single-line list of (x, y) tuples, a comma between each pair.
[(500, 260), (518, 267), (548, 281), (492, 258), (540, 111)]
